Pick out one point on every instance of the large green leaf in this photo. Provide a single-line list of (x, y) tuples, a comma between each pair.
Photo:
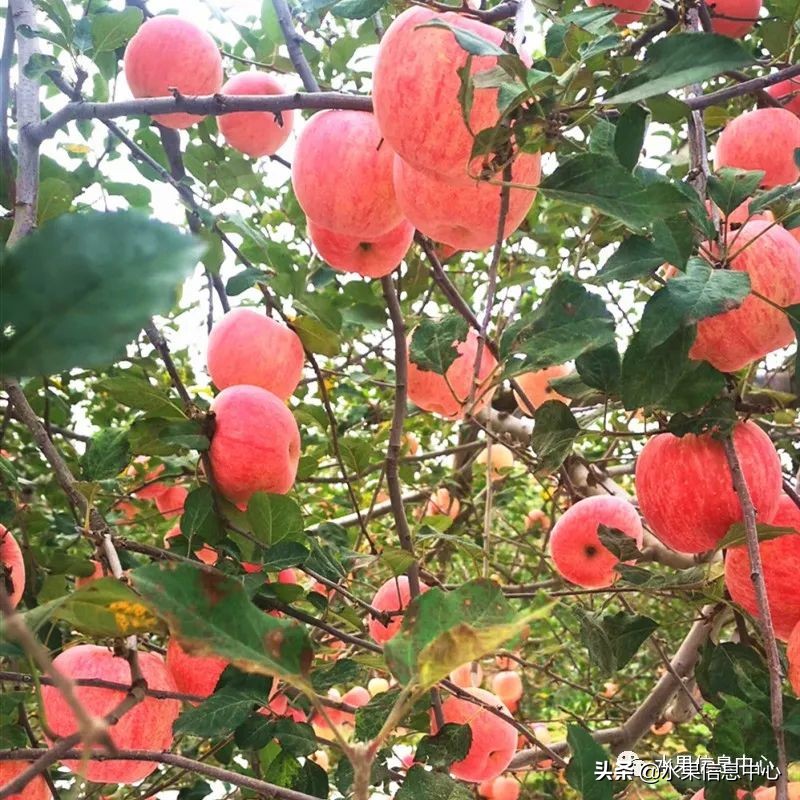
[(81, 288), (274, 517), (434, 342), (112, 29), (420, 783), (680, 60), (212, 615), (554, 432), (636, 257), (442, 630), (108, 454), (581, 770)]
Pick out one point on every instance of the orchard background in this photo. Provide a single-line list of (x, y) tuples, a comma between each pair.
[(264, 541)]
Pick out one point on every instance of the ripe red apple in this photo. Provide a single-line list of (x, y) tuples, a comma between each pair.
[(441, 503), (246, 347), (393, 596), (208, 555), (793, 654), (256, 443), (575, 547), (371, 258), (14, 564), (764, 139), (780, 559), (734, 339), (685, 488), (97, 573), (447, 395), (769, 792), (169, 53), (494, 740), (507, 685), (632, 10), (461, 211), (171, 502), (789, 89), (151, 490), (357, 697), (37, 789), (734, 18), (255, 133), (485, 789), (415, 92), (342, 174), (466, 676), (506, 788), (147, 726), (196, 675), (536, 387)]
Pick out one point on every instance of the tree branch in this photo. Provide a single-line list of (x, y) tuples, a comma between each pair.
[(294, 45), (737, 90)]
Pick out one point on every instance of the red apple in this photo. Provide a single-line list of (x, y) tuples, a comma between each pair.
[(97, 573), (502, 460), (764, 139), (393, 596), (447, 395), (507, 685), (342, 175), (506, 788), (632, 10), (371, 258), (467, 675), (685, 488), (462, 211), (208, 555), (197, 675), (256, 443), (780, 559), (14, 566), (734, 18), (789, 92), (36, 789), (793, 654), (536, 387), (147, 726), (575, 547), (169, 53), (255, 133), (170, 503), (246, 347)]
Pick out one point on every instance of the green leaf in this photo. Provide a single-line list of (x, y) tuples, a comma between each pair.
[(107, 454), (680, 60), (106, 276), (434, 342), (731, 669), (274, 517), (225, 710), (629, 135), (580, 772), (737, 534), (55, 198), (600, 181), (554, 432), (420, 783), (284, 554), (569, 321), (200, 518), (212, 615), (317, 337), (449, 744), (357, 9), (475, 45), (370, 718), (343, 672), (699, 384), (636, 257), (730, 187), (600, 369), (618, 543), (441, 631), (718, 418), (112, 29), (140, 394)]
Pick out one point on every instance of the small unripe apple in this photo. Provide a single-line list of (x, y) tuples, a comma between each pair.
[(468, 675), (172, 54), (371, 258), (536, 388), (447, 395), (685, 489), (256, 443), (342, 175), (631, 10), (255, 133), (577, 552), (36, 789), (14, 566), (147, 726), (377, 686), (246, 347), (734, 18), (764, 139)]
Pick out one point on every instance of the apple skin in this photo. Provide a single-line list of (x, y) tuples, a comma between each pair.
[(392, 596), (537, 520), (780, 559), (197, 675), (36, 789), (793, 654), (342, 174), (208, 555), (734, 18), (734, 339), (461, 211), (447, 395), (575, 546), (494, 741), (506, 788), (536, 387), (791, 86), (256, 443), (246, 347), (685, 488), (171, 502), (151, 490), (98, 573), (147, 726), (416, 86), (169, 52), (501, 459), (764, 139), (255, 133), (632, 10), (465, 677), (11, 558), (507, 685), (370, 258), (441, 503), (769, 792)]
